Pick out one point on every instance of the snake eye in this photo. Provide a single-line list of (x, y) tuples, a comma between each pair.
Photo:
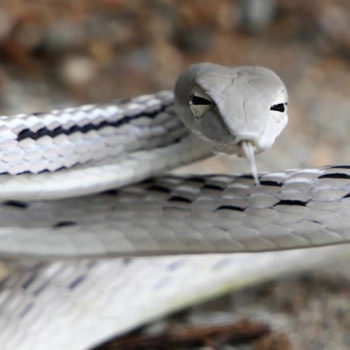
[(280, 107), (199, 102)]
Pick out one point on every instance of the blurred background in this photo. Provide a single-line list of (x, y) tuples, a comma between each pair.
[(62, 52)]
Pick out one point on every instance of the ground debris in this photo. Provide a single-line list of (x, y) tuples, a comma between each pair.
[(241, 332)]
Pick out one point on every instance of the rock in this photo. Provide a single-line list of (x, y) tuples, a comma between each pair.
[(78, 70), (255, 15)]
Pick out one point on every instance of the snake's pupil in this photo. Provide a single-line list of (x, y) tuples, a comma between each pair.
[(197, 100), (280, 107)]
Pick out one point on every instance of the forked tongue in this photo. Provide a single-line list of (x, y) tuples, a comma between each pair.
[(248, 150)]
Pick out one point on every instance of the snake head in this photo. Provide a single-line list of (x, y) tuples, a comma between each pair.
[(231, 106)]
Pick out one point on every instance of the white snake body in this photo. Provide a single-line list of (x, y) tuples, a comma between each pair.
[(63, 138), (172, 214), (79, 304), (108, 148)]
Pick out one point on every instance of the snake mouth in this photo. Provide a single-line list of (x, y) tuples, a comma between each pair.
[(248, 151)]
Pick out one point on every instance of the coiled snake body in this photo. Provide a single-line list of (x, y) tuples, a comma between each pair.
[(66, 155)]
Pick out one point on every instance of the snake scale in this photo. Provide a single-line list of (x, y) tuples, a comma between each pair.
[(75, 183)]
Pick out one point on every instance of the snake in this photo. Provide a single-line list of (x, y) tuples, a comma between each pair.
[(107, 242)]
